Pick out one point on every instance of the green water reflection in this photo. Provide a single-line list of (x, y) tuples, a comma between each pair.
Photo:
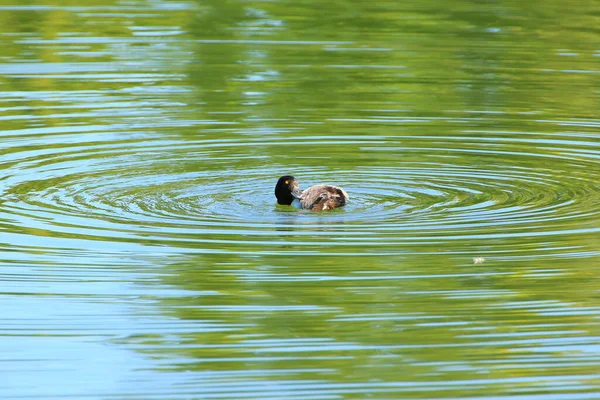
[(142, 253)]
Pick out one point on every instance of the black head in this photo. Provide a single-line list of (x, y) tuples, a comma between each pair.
[(283, 190)]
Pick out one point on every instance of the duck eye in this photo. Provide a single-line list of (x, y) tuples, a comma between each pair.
[(287, 182)]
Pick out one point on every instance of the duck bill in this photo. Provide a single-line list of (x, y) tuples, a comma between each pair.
[(296, 192)]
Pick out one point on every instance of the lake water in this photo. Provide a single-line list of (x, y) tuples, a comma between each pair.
[(143, 256)]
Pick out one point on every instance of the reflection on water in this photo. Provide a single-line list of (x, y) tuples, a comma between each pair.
[(143, 255)]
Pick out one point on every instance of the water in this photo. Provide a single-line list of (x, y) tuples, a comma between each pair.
[(143, 255)]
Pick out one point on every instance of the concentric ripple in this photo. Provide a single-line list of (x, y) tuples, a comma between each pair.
[(144, 256), (187, 192)]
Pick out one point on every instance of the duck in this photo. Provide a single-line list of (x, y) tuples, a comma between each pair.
[(315, 198)]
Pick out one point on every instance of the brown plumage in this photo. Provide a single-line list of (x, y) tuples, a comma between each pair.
[(315, 198)]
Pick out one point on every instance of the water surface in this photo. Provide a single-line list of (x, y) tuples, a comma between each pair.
[(143, 255)]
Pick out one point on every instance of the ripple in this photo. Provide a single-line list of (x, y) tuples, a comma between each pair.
[(110, 186), (143, 253)]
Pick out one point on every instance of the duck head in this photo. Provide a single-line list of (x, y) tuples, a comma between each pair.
[(286, 186)]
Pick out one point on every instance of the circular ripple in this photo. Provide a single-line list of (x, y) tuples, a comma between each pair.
[(221, 191)]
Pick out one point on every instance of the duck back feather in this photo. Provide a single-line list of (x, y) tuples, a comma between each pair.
[(322, 197)]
